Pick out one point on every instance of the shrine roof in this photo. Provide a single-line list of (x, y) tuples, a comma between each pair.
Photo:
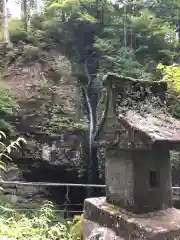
[(139, 105), (118, 80), (160, 127)]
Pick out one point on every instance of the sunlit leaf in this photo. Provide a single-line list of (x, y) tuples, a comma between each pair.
[(2, 144), (8, 149), (5, 155), (20, 139), (2, 134)]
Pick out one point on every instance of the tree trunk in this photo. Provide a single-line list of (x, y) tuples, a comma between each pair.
[(24, 10), (38, 8), (5, 22), (178, 30)]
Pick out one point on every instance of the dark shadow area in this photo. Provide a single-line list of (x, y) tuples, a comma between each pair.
[(41, 171)]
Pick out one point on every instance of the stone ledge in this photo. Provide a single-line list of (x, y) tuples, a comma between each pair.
[(93, 231), (161, 225)]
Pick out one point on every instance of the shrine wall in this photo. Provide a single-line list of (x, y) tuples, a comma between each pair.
[(152, 177), (119, 177)]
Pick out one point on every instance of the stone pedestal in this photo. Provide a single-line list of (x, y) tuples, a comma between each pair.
[(107, 221)]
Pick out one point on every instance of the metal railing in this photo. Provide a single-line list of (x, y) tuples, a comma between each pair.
[(67, 207), (48, 184)]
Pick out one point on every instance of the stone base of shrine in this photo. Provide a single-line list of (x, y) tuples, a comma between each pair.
[(102, 220)]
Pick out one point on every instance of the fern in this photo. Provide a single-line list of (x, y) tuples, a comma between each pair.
[(6, 150), (36, 226)]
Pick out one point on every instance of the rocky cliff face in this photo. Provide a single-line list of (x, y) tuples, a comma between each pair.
[(50, 119)]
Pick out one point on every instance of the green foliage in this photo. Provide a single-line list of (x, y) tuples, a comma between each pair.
[(16, 31), (132, 40), (58, 123), (38, 225), (71, 9), (171, 74), (166, 9), (120, 60), (76, 229), (18, 35), (5, 150), (31, 53), (8, 106), (152, 36), (7, 103), (175, 159)]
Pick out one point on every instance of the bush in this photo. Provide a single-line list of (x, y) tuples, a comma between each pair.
[(76, 229), (18, 35), (31, 52), (38, 225), (7, 106), (37, 22), (171, 74), (16, 31)]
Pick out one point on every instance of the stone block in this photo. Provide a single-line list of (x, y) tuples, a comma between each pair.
[(159, 225), (93, 231)]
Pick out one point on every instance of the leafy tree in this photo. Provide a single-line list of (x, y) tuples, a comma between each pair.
[(171, 74), (120, 60), (151, 37), (5, 22)]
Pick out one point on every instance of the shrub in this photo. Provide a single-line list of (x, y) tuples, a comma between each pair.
[(16, 31), (171, 74), (31, 52), (38, 225), (7, 106), (18, 35), (76, 229), (37, 22)]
